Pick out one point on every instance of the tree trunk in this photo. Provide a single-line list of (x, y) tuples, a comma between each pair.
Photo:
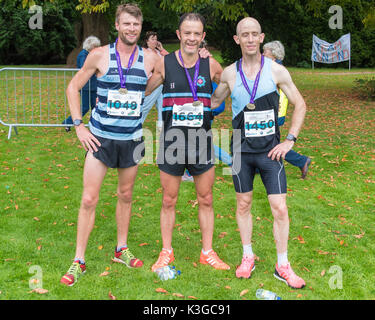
[(94, 24)]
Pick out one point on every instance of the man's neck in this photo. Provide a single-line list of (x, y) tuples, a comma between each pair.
[(252, 61), (189, 59), (124, 48)]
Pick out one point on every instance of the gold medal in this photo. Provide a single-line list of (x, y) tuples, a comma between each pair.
[(123, 90), (250, 106), (196, 103)]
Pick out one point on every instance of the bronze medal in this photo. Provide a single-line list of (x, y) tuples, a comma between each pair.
[(123, 90), (196, 103), (250, 106)]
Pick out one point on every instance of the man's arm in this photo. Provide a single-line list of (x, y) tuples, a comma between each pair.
[(89, 68), (223, 89), (157, 77), (284, 81)]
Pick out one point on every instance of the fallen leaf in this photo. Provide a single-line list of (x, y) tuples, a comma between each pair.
[(322, 273), (39, 290), (223, 234), (36, 219), (161, 290), (192, 297), (178, 295), (100, 247), (243, 292), (105, 273), (111, 296), (143, 244), (228, 287)]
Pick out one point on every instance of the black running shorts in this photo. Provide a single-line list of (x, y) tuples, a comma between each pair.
[(175, 161), (272, 172), (120, 153)]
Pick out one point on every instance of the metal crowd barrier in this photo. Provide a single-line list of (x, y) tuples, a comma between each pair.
[(34, 97)]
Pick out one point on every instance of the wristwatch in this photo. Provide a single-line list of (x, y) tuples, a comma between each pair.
[(291, 137), (77, 122)]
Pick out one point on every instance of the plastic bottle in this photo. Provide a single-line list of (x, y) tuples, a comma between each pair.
[(266, 295), (167, 273)]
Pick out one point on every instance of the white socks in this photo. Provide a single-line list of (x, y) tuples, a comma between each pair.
[(169, 250), (282, 259), (206, 252), (248, 250)]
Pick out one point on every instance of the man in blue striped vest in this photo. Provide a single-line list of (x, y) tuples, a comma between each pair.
[(115, 136)]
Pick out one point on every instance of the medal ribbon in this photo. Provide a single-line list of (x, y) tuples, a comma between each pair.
[(193, 85), (119, 67), (256, 83)]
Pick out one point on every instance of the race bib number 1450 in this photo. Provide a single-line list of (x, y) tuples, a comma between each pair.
[(259, 123)]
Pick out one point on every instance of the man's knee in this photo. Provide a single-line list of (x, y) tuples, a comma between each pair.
[(280, 211), (125, 194), (89, 200), (169, 201), (205, 200)]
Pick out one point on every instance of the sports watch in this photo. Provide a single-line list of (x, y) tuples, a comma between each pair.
[(77, 122), (291, 137)]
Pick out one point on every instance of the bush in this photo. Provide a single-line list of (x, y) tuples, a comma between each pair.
[(366, 87)]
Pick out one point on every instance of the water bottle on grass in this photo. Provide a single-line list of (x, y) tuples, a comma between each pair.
[(266, 295), (167, 273)]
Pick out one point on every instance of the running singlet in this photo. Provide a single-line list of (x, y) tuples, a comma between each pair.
[(259, 128), (178, 112), (116, 116)]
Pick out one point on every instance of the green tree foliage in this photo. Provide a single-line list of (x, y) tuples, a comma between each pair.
[(293, 22), (20, 45)]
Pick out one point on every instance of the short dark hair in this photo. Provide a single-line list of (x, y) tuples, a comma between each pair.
[(192, 16), (149, 34), (130, 8)]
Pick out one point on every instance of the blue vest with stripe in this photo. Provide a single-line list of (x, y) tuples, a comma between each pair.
[(266, 98), (117, 127)]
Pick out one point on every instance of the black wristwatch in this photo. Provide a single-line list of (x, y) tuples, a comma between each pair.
[(77, 122), (291, 137)]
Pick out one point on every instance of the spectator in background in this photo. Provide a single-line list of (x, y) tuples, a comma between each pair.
[(275, 51), (151, 43), (88, 92)]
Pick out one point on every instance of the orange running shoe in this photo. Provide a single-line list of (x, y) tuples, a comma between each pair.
[(246, 268), (213, 260), (164, 259)]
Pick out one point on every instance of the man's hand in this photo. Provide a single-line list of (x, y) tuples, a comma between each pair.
[(88, 141), (281, 150), (204, 53)]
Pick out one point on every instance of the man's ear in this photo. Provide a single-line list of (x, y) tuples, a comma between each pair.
[(236, 39), (262, 36), (204, 35), (178, 34)]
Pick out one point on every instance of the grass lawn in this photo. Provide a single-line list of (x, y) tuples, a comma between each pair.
[(332, 213)]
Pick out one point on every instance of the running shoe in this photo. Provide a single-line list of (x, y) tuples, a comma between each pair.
[(187, 177), (305, 168), (213, 260), (164, 259), (126, 257), (246, 268), (75, 271), (287, 275)]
